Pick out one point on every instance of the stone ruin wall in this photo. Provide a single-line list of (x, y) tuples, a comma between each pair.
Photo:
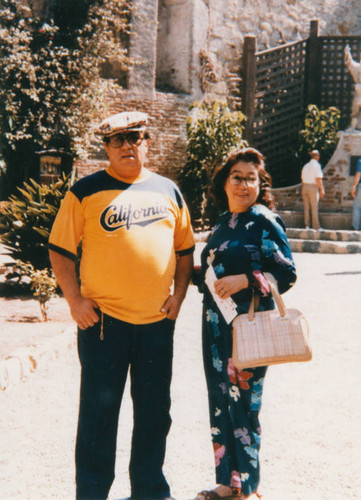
[(195, 46), (191, 49), (273, 22)]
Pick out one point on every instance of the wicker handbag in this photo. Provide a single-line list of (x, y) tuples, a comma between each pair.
[(270, 337)]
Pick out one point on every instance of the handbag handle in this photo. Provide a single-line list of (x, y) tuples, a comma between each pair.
[(276, 296)]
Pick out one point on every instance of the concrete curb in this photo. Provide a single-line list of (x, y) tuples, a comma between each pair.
[(25, 360)]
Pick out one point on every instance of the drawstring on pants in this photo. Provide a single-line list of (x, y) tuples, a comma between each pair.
[(101, 325)]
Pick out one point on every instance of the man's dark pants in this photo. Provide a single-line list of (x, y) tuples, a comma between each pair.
[(148, 350)]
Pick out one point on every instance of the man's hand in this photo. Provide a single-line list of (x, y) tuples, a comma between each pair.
[(81, 309), (227, 286), (183, 272), (172, 307), (353, 191), (321, 189), (83, 312)]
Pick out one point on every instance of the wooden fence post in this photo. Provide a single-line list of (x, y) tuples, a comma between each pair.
[(249, 84), (313, 67)]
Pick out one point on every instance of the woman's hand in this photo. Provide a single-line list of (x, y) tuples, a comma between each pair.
[(227, 286)]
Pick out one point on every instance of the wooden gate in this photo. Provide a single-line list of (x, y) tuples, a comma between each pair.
[(335, 82), (279, 83)]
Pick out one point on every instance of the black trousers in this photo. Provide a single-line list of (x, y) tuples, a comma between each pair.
[(148, 351)]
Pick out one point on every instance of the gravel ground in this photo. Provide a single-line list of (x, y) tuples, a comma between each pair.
[(311, 413)]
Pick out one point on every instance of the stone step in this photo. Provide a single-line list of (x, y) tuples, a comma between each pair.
[(323, 234), (328, 220), (311, 241), (324, 240), (323, 246)]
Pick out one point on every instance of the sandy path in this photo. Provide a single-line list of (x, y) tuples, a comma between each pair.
[(311, 412)]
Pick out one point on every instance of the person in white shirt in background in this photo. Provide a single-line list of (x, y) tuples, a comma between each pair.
[(312, 189)]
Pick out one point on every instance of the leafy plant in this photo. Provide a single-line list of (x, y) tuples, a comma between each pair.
[(27, 218), (44, 286), (320, 132), (42, 283), (213, 130), (51, 78)]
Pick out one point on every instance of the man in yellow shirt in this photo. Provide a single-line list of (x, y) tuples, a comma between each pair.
[(136, 241)]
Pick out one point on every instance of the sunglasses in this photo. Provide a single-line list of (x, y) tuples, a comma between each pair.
[(236, 179), (134, 138)]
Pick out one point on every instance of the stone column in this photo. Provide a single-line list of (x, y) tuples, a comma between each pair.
[(142, 48), (174, 47), (200, 42)]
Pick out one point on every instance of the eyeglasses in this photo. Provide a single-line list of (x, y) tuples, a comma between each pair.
[(235, 179), (134, 138)]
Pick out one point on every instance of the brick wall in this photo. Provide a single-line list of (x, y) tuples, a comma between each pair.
[(167, 127)]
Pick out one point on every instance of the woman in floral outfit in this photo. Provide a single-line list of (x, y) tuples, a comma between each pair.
[(247, 240)]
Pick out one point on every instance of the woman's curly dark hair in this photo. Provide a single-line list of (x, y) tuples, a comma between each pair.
[(248, 155)]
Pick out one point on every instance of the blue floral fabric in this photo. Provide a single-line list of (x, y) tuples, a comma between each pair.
[(249, 243)]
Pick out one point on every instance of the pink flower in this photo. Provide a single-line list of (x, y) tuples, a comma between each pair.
[(219, 451), (233, 221), (235, 479), (264, 286), (231, 371)]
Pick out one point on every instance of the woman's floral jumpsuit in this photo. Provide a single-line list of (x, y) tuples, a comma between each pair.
[(251, 242)]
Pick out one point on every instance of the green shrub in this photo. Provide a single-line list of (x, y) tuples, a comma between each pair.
[(320, 132), (51, 78), (212, 132), (27, 218)]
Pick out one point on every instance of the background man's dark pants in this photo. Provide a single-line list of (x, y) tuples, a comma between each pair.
[(148, 350)]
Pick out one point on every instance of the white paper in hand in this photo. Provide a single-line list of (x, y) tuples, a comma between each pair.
[(226, 306)]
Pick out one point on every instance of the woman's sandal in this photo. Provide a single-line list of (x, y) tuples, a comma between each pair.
[(213, 495)]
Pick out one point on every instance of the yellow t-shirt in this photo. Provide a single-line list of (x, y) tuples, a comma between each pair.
[(130, 236)]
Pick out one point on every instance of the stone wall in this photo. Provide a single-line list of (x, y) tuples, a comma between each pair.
[(194, 48), (174, 52), (142, 49), (199, 43), (273, 22)]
